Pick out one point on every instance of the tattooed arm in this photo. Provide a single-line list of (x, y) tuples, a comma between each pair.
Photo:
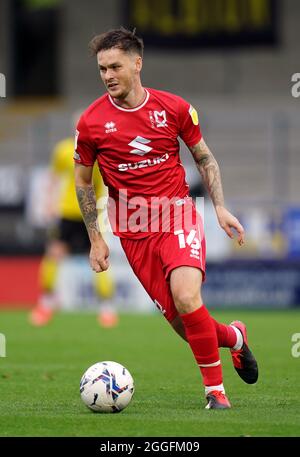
[(87, 201), (210, 172)]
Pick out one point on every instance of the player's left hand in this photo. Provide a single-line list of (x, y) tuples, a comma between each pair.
[(228, 222), (99, 255)]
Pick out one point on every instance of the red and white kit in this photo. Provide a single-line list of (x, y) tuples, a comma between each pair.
[(138, 155)]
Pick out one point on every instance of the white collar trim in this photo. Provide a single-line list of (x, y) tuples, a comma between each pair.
[(128, 110)]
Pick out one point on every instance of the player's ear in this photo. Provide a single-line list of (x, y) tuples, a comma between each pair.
[(138, 64)]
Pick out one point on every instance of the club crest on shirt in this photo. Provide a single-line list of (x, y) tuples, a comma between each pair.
[(160, 118)]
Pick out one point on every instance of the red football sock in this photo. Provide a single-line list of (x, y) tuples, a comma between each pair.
[(226, 335), (202, 338)]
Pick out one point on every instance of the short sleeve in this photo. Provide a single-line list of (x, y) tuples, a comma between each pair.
[(85, 151), (189, 129)]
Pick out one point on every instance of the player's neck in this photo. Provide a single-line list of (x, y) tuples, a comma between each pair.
[(133, 99)]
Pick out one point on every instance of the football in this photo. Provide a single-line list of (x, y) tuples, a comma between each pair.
[(106, 387)]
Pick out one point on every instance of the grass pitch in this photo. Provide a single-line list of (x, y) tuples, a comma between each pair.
[(39, 378)]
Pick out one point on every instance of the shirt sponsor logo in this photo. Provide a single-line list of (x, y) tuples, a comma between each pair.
[(143, 163), (160, 118), (110, 127), (140, 144)]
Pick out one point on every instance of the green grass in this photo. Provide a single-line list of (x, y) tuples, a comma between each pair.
[(39, 378)]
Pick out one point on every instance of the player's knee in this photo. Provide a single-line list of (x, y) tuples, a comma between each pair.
[(186, 301)]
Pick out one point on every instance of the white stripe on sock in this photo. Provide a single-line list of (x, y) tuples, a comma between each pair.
[(208, 389), (205, 365), (239, 339)]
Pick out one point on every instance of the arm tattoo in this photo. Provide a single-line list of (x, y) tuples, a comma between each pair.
[(210, 172), (87, 202)]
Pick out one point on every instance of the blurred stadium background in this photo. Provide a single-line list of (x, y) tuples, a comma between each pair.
[(233, 60)]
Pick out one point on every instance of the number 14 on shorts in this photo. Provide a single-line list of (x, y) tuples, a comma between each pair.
[(190, 240)]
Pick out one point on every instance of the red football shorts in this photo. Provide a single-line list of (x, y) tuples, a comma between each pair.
[(154, 257)]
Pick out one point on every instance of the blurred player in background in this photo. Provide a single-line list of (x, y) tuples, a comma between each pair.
[(133, 134), (66, 236)]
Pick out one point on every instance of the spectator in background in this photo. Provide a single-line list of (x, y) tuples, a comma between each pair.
[(66, 236)]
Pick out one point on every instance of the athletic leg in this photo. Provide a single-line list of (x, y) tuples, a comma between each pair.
[(227, 337), (43, 312), (185, 285), (104, 286)]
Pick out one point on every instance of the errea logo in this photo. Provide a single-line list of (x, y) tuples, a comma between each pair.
[(140, 144), (110, 127)]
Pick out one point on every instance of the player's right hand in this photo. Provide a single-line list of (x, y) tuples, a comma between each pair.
[(99, 255)]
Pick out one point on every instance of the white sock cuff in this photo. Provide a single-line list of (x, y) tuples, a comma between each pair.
[(208, 389), (239, 339)]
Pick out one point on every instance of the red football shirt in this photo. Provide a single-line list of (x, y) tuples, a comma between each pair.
[(137, 151)]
